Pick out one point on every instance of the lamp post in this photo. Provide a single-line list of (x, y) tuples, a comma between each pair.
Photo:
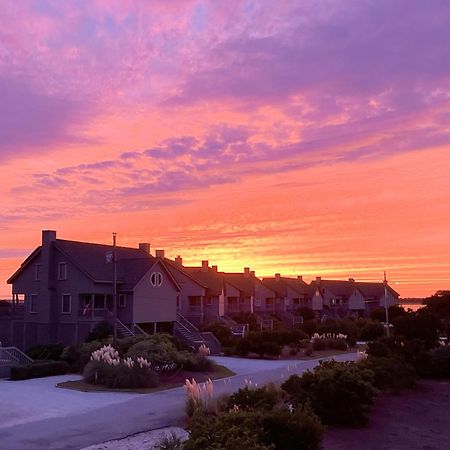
[(114, 258), (385, 304)]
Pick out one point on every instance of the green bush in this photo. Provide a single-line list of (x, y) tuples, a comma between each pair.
[(39, 369), (256, 430), (50, 351), (197, 363), (78, 355), (101, 330), (221, 331), (440, 363), (390, 373), (159, 350), (371, 331), (339, 393), (120, 376), (297, 430), (319, 344), (421, 325), (264, 398)]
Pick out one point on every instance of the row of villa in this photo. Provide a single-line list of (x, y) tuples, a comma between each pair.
[(65, 287)]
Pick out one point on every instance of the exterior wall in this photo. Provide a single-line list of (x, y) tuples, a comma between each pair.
[(189, 288), (317, 301), (155, 304), (390, 300), (261, 293), (212, 311), (231, 293), (356, 301)]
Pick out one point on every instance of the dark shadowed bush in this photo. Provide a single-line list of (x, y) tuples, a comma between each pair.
[(101, 330), (119, 377), (39, 369), (339, 393), (78, 355), (390, 373), (197, 363), (440, 363), (50, 351), (264, 398), (371, 331)]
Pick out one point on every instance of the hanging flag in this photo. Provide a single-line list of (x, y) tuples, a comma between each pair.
[(109, 257)]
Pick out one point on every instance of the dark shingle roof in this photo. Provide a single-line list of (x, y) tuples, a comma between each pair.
[(337, 287), (246, 284), (211, 279), (276, 286), (374, 289)]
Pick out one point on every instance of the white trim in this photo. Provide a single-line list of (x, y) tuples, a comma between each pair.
[(62, 303), (37, 272), (60, 265), (31, 303), (156, 279)]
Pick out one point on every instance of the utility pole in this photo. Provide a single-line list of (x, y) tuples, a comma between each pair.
[(385, 304), (114, 258)]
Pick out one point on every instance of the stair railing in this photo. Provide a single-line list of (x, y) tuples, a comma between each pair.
[(15, 355)]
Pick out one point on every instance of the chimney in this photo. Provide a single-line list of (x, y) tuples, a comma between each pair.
[(205, 265), (277, 276), (247, 272), (252, 273), (145, 247), (159, 254), (318, 279), (214, 268), (300, 277), (352, 280), (48, 236), (179, 260)]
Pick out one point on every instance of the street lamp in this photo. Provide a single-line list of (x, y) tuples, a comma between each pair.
[(385, 304)]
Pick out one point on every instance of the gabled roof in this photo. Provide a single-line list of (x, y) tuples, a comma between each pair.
[(374, 289), (210, 279), (176, 268), (276, 286), (89, 258), (297, 285), (339, 288), (242, 282), (27, 261)]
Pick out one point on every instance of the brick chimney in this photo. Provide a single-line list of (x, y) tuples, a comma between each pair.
[(277, 276), (214, 268), (247, 272), (352, 280), (300, 277), (145, 247), (318, 280), (159, 254), (179, 260), (205, 265), (252, 273)]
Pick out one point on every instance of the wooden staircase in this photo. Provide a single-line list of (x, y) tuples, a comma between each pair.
[(11, 357)]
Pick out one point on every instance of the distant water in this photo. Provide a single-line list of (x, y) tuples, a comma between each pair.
[(413, 306)]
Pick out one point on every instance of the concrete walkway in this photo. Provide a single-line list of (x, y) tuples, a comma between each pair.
[(36, 415)]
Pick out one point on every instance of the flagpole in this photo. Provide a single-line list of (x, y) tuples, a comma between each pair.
[(114, 291), (385, 304)]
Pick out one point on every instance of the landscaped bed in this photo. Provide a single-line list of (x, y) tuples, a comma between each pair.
[(166, 382)]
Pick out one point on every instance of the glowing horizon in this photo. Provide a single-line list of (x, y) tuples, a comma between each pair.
[(312, 139)]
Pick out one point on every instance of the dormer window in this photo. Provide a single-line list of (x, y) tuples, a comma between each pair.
[(37, 272), (62, 271), (156, 279)]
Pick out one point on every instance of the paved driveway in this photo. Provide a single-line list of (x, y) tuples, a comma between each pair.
[(36, 415)]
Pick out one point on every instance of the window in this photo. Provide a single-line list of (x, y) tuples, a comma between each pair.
[(156, 279), (33, 303), (257, 302), (208, 301), (66, 306), (62, 271), (99, 301), (122, 300), (37, 272)]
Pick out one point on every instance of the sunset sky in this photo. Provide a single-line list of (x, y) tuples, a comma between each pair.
[(302, 137)]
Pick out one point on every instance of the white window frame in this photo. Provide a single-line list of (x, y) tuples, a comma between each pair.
[(33, 310), (156, 279), (122, 300), (37, 272), (62, 303), (60, 276)]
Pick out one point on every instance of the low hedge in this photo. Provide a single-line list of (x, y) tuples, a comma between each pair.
[(39, 369)]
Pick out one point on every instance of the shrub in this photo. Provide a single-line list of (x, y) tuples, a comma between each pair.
[(319, 344), (159, 350), (264, 398), (440, 362), (78, 355), (39, 369), (340, 393), (371, 331), (421, 325), (101, 330), (337, 344), (119, 376), (197, 363), (390, 373), (221, 331), (306, 312), (297, 430), (50, 352)]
